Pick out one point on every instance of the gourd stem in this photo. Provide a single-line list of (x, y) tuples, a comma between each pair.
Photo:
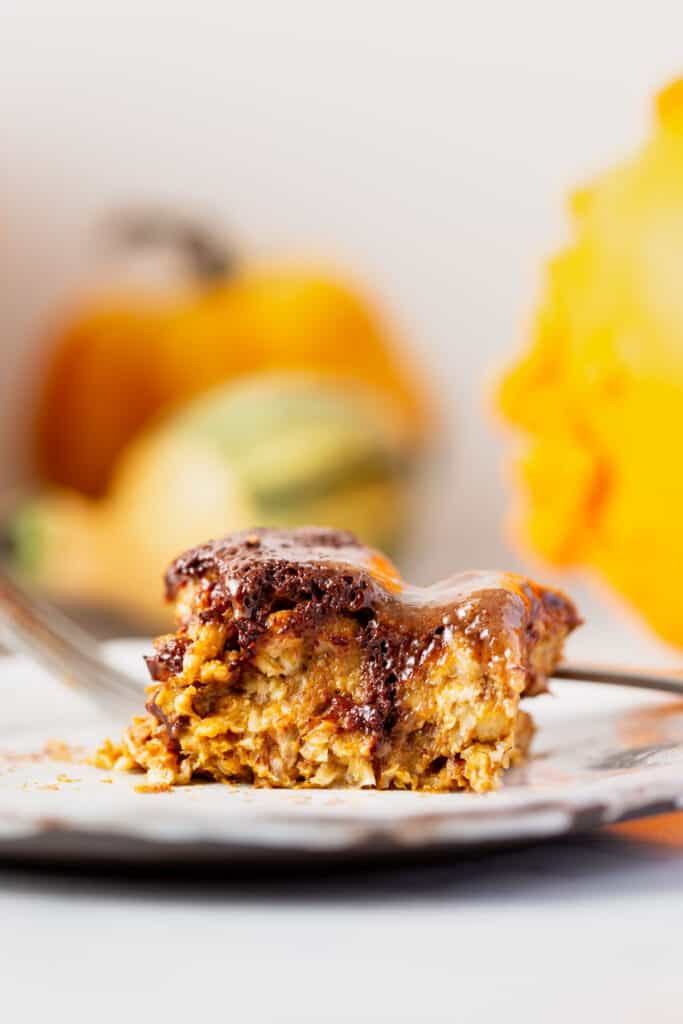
[(206, 255)]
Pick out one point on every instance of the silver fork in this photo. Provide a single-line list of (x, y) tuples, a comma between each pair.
[(621, 677), (32, 626)]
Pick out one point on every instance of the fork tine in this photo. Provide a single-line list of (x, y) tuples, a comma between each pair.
[(34, 627)]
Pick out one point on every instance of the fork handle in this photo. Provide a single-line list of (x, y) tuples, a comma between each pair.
[(621, 677)]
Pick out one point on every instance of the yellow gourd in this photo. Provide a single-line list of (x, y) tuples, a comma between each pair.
[(599, 392)]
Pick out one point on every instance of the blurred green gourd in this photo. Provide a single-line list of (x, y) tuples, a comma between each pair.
[(279, 449)]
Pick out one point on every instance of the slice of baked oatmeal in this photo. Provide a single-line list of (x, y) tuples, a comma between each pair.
[(302, 659)]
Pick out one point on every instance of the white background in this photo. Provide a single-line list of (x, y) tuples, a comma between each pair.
[(424, 147)]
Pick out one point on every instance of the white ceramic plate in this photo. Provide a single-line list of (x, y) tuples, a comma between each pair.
[(600, 755)]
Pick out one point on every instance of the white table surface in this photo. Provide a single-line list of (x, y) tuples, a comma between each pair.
[(586, 927)]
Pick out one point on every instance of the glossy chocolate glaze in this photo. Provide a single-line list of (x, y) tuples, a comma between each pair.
[(315, 573)]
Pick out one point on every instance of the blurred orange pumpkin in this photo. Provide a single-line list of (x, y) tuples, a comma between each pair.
[(126, 356)]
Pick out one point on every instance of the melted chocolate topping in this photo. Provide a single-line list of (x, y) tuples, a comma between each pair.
[(315, 573)]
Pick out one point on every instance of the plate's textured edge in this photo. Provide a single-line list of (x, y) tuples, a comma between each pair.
[(67, 846), (660, 791)]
